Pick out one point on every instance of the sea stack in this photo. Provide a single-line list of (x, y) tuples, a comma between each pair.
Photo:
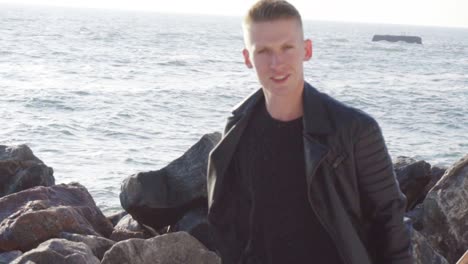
[(395, 38)]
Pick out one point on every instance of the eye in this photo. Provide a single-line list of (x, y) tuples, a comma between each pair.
[(288, 47), (261, 51)]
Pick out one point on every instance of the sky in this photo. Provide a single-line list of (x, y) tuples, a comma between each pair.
[(451, 13)]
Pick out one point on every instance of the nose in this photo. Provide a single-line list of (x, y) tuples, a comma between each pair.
[(276, 61)]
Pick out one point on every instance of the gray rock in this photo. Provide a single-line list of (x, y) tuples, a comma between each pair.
[(9, 256), (174, 248), (423, 253), (413, 176), (35, 215), (195, 222), (59, 251), (395, 38), (416, 216), (115, 218), (19, 152), (98, 245), (20, 170), (160, 198), (436, 175), (128, 228), (445, 216)]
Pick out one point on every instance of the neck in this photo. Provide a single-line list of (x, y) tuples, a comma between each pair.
[(284, 108)]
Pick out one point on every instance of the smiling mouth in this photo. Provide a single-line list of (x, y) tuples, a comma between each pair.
[(280, 79)]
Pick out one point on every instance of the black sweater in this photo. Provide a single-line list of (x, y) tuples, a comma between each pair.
[(276, 222)]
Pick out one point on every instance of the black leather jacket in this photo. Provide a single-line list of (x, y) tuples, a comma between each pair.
[(351, 182)]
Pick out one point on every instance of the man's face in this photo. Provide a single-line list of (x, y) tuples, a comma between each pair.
[(276, 50)]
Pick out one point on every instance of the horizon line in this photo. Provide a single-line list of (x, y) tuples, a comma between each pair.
[(136, 10)]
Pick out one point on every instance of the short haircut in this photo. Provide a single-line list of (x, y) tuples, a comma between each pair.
[(271, 10)]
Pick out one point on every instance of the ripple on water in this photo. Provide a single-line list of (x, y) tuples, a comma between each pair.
[(118, 97)]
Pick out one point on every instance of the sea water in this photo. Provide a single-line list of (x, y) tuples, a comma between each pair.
[(99, 94)]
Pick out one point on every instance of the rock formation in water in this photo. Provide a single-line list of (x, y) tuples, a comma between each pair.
[(395, 38)]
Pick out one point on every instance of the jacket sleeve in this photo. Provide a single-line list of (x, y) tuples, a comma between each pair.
[(382, 201)]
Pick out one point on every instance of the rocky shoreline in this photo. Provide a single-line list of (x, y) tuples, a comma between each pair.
[(164, 213)]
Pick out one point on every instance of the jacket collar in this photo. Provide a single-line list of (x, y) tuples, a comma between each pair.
[(315, 119), (315, 122)]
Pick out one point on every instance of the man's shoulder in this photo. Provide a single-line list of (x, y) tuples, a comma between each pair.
[(341, 114), (248, 102)]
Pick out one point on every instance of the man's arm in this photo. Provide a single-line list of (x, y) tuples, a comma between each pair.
[(383, 202)]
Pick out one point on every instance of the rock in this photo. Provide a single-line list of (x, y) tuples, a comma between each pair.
[(436, 175), (129, 228), (160, 198), (19, 152), (423, 253), (416, 216), (9, 256), (35, 215), (174, 248), (393, 38), (20, 170), (413, 176), (195, 223), (98, 245), (115, 218), (59, 251), (445, 216)]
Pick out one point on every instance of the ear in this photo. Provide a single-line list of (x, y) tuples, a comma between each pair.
[(247, 62), (308, 49)]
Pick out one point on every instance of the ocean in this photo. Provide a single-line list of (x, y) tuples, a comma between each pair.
[(102, 94)]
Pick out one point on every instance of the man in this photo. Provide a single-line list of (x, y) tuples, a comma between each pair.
[(299, 177)]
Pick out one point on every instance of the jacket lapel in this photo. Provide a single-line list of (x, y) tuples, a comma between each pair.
[(221, 155), (316, 124)]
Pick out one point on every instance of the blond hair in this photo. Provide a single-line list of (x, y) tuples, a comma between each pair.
[(271, 10)]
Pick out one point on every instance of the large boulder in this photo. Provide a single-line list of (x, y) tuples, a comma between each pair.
[(445, 212), (98, 245), (195, 222), (173, 248), (423, 253), (128, 228), (58, 251), (20, 170), (160, 198), (35, 215)]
